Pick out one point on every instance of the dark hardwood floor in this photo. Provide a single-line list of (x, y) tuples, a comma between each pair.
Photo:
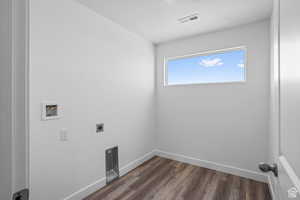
[(164, 179)]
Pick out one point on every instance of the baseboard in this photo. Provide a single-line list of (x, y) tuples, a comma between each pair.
[(93, 187), (127, 168), (215, 166), (87, 190)]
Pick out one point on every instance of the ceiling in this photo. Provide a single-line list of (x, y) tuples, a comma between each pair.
[(157, 20)]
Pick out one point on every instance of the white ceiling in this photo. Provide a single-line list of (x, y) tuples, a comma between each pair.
[(157, 20)]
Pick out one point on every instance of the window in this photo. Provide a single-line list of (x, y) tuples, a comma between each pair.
[(219, 66)]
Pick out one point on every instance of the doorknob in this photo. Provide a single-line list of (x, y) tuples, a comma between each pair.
[(264, 167)]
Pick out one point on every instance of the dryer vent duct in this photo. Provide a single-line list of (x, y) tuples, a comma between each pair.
[(112, 164)]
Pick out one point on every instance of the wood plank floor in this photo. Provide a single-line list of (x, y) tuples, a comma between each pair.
[(164, 179)]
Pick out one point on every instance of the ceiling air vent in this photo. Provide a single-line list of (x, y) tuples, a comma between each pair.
[(189, 18)]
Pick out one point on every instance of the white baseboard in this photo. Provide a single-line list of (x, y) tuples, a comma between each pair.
[(93, 187), (87, 190), (127, 168), (215, 166)]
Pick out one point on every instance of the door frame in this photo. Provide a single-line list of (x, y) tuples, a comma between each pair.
[(18, 62)]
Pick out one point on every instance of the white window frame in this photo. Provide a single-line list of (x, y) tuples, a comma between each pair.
[(204, 53)]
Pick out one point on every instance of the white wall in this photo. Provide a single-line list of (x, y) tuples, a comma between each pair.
[(98, 72), (5, 100), (222, 123)]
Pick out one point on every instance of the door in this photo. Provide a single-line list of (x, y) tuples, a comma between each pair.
[(5, 101), (288, 160)]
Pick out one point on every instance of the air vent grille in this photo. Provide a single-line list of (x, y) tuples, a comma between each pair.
[(112, 164), (189, 18)]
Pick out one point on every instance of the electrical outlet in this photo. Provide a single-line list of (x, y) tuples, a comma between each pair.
[(63, 135), (99, 128)]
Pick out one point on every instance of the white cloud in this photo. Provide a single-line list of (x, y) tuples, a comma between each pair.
[(241, 65), (211, 62)]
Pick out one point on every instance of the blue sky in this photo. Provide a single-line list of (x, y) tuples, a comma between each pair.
[(218, 67)]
